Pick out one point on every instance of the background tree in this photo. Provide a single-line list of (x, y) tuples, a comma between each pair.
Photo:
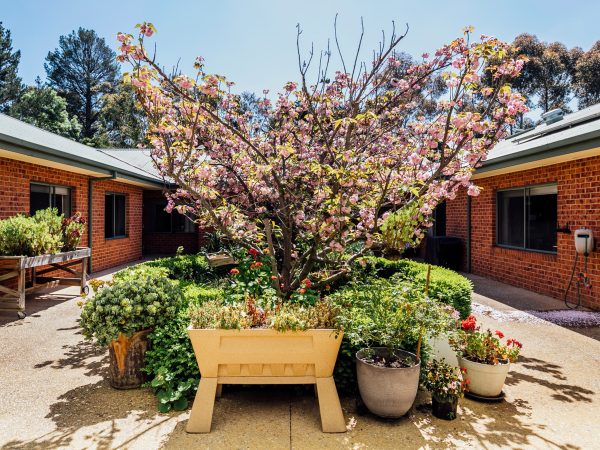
[(10, 83), (43, 107), (547, 76), (121, 122), (83, 69), (587, 77)]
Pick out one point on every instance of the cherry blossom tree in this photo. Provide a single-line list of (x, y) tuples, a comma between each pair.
[(324, 171)]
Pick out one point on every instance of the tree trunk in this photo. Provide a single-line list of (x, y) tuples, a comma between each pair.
[(127, 360)]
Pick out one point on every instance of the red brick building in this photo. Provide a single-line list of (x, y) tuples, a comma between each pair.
[(537, 188), (118, 189)]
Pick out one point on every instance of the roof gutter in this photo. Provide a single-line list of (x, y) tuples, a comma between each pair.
[(91, 182), (567, 146), (26, 148)]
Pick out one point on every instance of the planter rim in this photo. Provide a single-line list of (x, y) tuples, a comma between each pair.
[(417, 364), (482, 364), (263, 330)]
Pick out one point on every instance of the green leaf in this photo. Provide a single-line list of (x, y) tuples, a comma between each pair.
[(180, 404)]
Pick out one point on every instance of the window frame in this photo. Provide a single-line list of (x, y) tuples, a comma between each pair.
[(52, 195), (525, 190), (115, 194)]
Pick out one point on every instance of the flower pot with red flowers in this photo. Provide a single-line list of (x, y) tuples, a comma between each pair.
[(447, 385), (485, 357)]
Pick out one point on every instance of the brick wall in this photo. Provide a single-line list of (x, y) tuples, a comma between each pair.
[(14, 198), (578, 203)]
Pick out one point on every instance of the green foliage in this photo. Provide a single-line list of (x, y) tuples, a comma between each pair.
[(136, 299), (43, 107), (216, 314), (390, 314), (10, 82), (82, 69), (171, 363), (445, 285), (193, 268), (31, 236)]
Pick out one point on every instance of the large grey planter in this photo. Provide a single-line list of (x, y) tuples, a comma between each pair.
[(387, 392)]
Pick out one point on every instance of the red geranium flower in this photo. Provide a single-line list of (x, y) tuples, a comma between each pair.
[(307, 283), (253, 251), (273, 277), (469, 323), (234, 271), (500, 334), (302, 290)]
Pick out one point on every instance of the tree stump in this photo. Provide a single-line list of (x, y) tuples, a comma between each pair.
[(127, 360)]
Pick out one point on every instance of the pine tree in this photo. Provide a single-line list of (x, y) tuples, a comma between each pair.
[(83, 69), (10, 83)]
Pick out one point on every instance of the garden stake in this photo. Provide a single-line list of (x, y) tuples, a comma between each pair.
[(418, 352)]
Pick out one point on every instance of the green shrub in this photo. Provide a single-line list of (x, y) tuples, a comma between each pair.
[(445, 285), (200, 293), (183, 267), (136, 299), (171, 363), (25, 236)]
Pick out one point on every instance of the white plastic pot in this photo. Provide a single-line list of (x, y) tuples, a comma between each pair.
[(485, 380)]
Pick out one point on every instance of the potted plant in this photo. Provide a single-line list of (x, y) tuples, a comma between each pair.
[(484, 356), (447, 385), (72, 230), (386, 319), (122, 313)]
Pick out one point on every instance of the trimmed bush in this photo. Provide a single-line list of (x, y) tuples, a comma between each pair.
[(193, 268), (445, 285)]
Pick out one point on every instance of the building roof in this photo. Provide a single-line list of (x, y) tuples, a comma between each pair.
[(22, 141), (576, 136)]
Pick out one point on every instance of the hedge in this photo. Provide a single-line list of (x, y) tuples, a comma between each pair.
[(444, 284), (183, 267)]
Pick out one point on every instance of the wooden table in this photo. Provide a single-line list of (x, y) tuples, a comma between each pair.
[(16, 267)]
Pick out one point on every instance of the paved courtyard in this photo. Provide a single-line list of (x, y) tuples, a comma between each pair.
[(54, 393)]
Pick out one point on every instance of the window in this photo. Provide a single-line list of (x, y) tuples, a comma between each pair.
[(526, 218), (114, 215), (160, 221), (42, 196)]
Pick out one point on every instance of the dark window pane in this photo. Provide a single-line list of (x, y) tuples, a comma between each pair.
[(39, 198), (109, 216), (181, 223), (120, 215), (162, 221), (439, 217), (541, 219), (511, 218)]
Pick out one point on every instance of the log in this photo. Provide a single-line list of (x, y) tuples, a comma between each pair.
[(127, 360)]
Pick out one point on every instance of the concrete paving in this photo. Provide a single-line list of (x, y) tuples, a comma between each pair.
[(54, 394)]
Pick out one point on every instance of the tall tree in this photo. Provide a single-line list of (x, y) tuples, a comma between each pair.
[(10, 83), (587, 77), (43, 107), (548, 75), (121, 122), (82, 69)]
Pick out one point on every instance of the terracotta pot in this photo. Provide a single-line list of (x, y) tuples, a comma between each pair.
[(387, 392), (444, 409), (486, 380), (266, 356), (127, 360)]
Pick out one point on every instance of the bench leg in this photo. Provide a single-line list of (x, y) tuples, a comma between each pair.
[(202, 410), (332, 418)]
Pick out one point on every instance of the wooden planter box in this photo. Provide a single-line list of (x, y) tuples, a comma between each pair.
[(262, 356), (12, 267), (220, 259)]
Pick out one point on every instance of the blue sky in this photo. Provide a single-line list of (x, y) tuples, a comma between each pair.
[(253, 42)]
